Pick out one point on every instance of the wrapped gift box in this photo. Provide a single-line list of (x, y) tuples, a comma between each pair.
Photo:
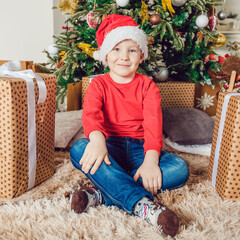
[(173, 94), (177, 94), (224, 168), (14, 134)]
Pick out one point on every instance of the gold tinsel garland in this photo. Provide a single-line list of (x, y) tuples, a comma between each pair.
[(144, 12), (62, 54), (168, 4), (86, 48), (68, 6)]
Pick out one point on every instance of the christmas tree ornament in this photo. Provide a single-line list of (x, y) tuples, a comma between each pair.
[(213, 23), (92, 20), (200, 36), (222, 15), (52, 49), (68, 6), (144, 12), (202, 21), (162, 75), (221, 40), (122, 3), (178, 3), (151, 40), (154, 19), (59, 63), (104, 16)]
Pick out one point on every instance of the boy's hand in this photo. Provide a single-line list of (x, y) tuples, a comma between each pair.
[(95, 153), (150, 172)]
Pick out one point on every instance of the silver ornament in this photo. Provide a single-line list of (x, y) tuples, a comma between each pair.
[(178, 3), (162, 75), (222, 15)]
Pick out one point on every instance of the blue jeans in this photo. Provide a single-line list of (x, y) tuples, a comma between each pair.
[(116, 181)]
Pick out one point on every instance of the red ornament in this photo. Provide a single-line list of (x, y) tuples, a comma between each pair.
[(221, 59), (212, 57), (92, 22), (213, 23)]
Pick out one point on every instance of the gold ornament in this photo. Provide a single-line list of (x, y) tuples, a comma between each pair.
[(221, 40), (86, 48), (144, 12), (68, 6), (104, 16), (154, 19), (167, 4), (200, 36), (151, 40)]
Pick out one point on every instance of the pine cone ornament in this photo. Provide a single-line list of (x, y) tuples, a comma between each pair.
[(59, 64)]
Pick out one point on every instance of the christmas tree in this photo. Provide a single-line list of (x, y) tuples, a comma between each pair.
[(181, 36)]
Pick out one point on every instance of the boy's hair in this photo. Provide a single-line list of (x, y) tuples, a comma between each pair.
[(114, 29)]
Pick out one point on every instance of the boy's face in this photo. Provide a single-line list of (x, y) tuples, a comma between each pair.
[(123, 60)]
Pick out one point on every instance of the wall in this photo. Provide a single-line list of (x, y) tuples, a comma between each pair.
[(58, 19), (26, 29)]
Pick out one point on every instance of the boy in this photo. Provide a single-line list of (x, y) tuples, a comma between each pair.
[(122, 119)]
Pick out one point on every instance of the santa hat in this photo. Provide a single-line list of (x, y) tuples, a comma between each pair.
[(114, 29)]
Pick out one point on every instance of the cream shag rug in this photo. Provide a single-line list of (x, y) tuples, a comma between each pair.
[(44, 212)]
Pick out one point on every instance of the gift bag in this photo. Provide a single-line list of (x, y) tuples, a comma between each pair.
[(74, 96), (224, 167)]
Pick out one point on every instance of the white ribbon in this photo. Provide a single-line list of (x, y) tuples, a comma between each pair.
[(10, 69), (219, 137)]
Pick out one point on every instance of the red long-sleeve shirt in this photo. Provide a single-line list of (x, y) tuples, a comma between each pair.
[(124, 110)]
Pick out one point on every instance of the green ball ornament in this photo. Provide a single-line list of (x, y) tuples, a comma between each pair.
[(178, 3), (162, 75)]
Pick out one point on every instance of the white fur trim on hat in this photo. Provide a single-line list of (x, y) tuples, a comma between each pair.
[(119, 34)]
